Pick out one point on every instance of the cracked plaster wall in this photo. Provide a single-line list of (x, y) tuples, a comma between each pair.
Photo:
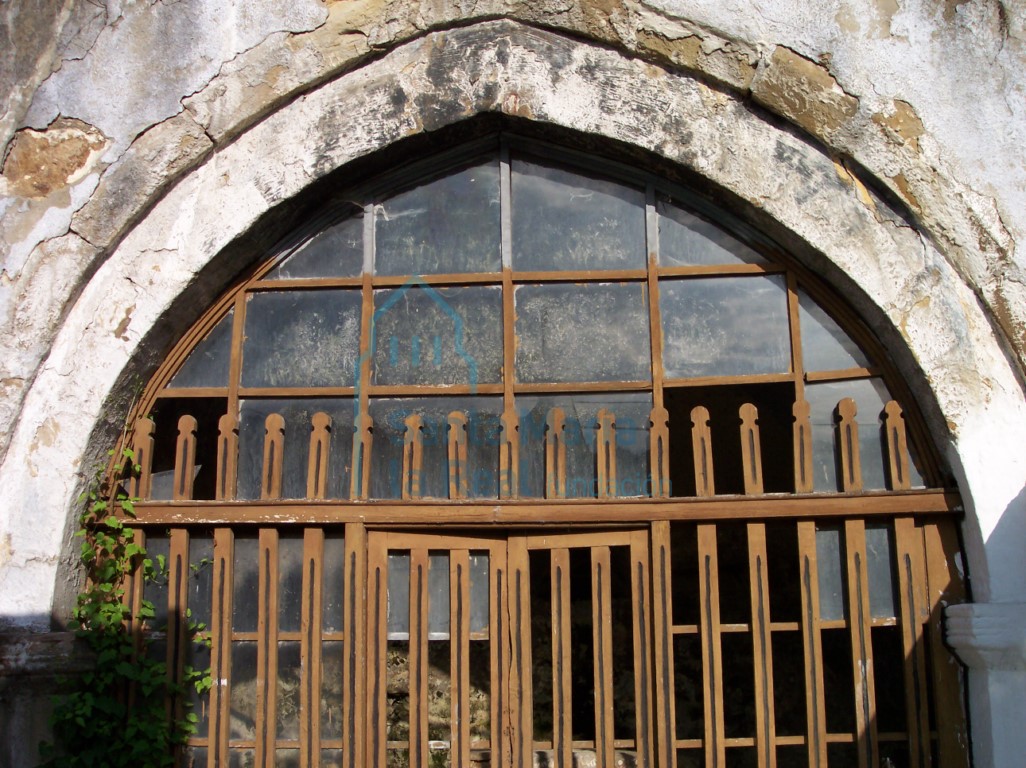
[(146, 148)]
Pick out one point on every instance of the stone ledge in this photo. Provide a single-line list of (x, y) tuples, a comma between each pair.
[(988, 635), (47, 654)]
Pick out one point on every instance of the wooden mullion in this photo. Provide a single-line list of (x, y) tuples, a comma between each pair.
[(605, 455), (848, 446), (945, 587), (220, 648), (802, 442), (654, 318), (521, 682), (274, 447), (267, 646), (751, 378), (762, 646), (562, 678), (897, 448), (795, 328), (358, 603), (914, 613), (751, 450), (140, 483), (815, 704), (842, 374), (659, 452), (457, 453), (185, 458), (377, 646), (499, 630), (602, 649), (418, 659), (641, 581), (701, 448), (508, 306), (860, 627), (227, 457), (555, 454), (177, 607), (235, 362), (509, 454), (413, 457), (363, 423), (459, 657), (318, 455), (662, 646), (310, 649), (712, 661), (723, 270)]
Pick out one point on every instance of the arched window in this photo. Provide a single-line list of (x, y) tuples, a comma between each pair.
[(514, 457)]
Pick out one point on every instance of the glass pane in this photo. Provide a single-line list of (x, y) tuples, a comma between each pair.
[(631, 412), (201, 578), (869, 395), (298, 415), (482, 469), (332, 678), (290, 582), (479, 594), (155, 589), (335, 252), (398, 596), (880, 568), (438, 597), (286, 758), (829, 566), (302, 338), (590, 332), (725, 326), (334, 581), (288, 687), (688, 240), (565, 220), (445, 226), (245, 584), (207, 364), (244, 691), (425, 335), (825, 347)]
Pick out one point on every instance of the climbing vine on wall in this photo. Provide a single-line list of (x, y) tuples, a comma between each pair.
[(119, 712)]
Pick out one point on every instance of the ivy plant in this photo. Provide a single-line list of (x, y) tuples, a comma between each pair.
[(117, 712)]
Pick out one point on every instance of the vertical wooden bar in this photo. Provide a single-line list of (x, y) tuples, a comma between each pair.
[(605, 455), (459, 657), (418, 685), (897, 448), (659, 452), (712, 662), (360, 600), (848, 443), (310, 648), (794, 322), (503, 710), (562, 679), (945, 587), (267, 646), (185, 458), (377, 646), (317, 458), (220, 648), (762, 646), (642, 629), (803, 479), (458, 482), (521, 683), (555, 455), (413, 457), (751, 449), (360, 483), (662, 645), (238, 337), (227, 457), (654, 319), (177, 623), (602, 649), (914, 613), (509, 454), (860, 626), (274, 447), (701, 447), (506, 252), (815, 706), (142, 446)]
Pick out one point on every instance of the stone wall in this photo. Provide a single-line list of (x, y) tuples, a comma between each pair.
[(143, 142)]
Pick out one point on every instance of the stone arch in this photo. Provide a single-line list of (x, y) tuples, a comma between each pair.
[(904, 286)]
